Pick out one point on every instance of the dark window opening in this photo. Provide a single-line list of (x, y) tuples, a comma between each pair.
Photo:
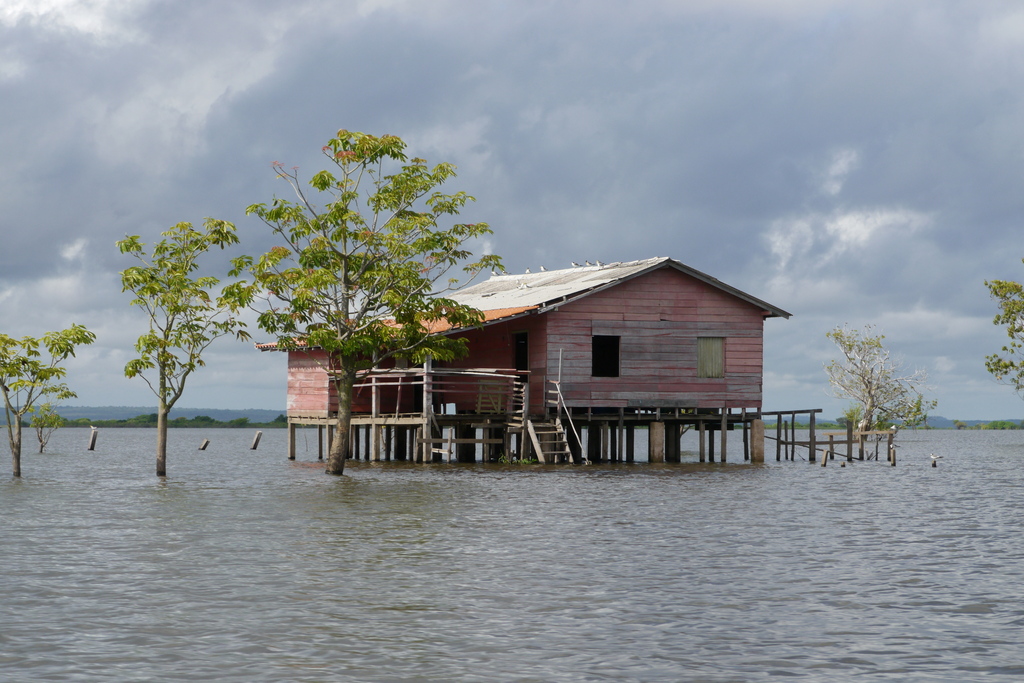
[(521, 344), (605, 356)]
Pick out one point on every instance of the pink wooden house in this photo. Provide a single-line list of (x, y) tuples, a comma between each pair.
[(591, 350)]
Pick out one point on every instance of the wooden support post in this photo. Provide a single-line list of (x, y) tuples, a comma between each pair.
[(204, 444), (778, 437), (746, 435), (757, 441), (630, 442), (388, 441), (620, 436), (606, 454), (92, 438), (400, 443), (701, 446), (656, 442), (672, 441), (319, 442), (593, 442), (849, 442), (711, 443), (369, 436), (256, 441), (831, 455), (725, 429), (291, 440), (891, 447), (812, 437)]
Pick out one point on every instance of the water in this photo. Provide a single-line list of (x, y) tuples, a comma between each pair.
[(242, 566)]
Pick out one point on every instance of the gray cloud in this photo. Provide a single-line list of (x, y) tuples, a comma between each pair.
[(849, 161)]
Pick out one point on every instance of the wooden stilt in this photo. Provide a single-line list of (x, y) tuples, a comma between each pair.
[(630, 442), (757, 441), (701, 441), (656, 442), (291, 440), (725, 430)]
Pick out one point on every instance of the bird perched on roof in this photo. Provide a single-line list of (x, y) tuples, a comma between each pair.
[(575, 265), (588, 263), (599, 263), (542, 268), (527, 270)]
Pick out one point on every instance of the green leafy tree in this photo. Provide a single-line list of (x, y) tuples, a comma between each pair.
[(363, 264), (184, 316), (30, 368), (45, 421), (883, 391), (1008, 366)]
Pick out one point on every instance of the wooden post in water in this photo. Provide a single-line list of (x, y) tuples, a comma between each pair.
[(746, 434), (256, 441), (891, 448), (92, 438), (630, 442), (725, 430), (319, 442), (778, 437), (849, 442), (757, 441), (204, 444), (812, 441), (656, 442), (701, 447), (291, 440)]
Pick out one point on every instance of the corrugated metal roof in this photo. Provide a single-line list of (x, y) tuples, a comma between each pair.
[(553, 287), (506, 295)]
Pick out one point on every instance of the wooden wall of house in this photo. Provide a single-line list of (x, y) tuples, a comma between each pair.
[(494, 347), (658, 317), (308, 388)]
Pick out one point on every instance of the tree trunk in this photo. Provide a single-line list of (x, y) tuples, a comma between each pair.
[(343, 382), (161, 439), (15, 438)]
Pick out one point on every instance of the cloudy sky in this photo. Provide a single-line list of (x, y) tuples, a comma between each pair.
[(850, 161)]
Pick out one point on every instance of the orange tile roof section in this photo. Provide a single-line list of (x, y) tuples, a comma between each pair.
[(443, 326)]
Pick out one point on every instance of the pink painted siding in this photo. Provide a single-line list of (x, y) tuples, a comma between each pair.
[(658, 317)]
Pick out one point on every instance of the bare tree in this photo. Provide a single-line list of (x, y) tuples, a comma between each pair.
[(869, 375)]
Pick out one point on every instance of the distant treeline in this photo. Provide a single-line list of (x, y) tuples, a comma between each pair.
[(181, 422)]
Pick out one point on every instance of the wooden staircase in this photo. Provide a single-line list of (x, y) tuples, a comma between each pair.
[(549, 442), (547, 437)]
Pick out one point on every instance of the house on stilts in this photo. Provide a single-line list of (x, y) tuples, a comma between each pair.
[(565, 367)]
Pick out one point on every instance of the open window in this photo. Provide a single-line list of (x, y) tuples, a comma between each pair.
[(710, 357), (605, 355)]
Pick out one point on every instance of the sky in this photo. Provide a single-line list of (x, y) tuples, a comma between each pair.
[(853, 162)]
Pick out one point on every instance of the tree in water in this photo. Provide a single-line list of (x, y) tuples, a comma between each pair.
[(1008, 366), (45, 421), (184, 316), (867, 373), (363, 264), (30, 368)]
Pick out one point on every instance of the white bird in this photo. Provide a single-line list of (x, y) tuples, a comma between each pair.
[(599, 263), (934, 457), (527, 270), (575, 265), (588, 263), (543, 268)]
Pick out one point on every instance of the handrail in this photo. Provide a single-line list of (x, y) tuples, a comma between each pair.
[(560, 405)]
